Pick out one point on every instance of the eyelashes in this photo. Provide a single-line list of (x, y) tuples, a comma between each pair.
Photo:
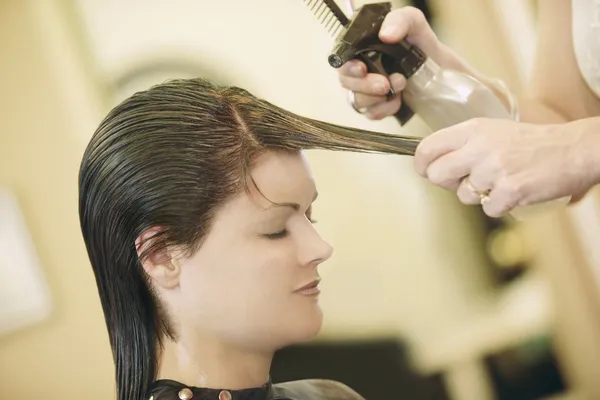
[(284, 233), (276, 235)]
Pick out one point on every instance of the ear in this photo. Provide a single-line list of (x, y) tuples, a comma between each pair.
[(161, 265)]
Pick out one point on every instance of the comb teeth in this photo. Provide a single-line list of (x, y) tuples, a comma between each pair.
[(329, 14)]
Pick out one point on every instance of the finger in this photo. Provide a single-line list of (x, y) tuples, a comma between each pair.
[(470, 193), (398, 83), (384, 109), (504, 196), (479, 181), (498, 204), (438, 144), (467, 193), (372, 84), (353, 68), (408, 23), (449, 170), (367, 101)]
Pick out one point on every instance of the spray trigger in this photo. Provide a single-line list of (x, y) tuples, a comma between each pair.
[(374, 64)]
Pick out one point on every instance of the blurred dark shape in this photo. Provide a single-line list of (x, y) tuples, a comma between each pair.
[(377, 369), (528, 371)]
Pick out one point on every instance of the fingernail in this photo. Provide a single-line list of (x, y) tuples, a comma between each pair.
[(398, 81), (356, 70), (380, 88)]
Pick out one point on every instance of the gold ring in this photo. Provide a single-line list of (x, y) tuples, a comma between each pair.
[(474, 189), (484, 197)]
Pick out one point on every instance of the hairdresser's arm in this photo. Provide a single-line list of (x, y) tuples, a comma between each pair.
[(556, 91), (553, 153)]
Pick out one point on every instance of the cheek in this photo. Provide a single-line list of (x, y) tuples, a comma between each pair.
[(269, 270), (257, 275), (261, 288), (245, 296), (197, 288)]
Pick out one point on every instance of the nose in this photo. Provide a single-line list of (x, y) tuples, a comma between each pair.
[(313, 249)]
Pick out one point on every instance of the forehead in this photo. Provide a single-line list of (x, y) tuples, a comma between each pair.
[(282, 176)]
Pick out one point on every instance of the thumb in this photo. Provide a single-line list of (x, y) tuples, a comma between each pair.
[(408, 23), (439, 144)]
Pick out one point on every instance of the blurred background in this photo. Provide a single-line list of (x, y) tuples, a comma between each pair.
[(423, 299)]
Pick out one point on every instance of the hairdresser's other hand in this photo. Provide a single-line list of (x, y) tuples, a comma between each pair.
[(519, 164), (369, 89)]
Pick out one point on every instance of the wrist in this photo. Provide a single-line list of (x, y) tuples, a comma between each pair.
[(593, 160), (587, 149)]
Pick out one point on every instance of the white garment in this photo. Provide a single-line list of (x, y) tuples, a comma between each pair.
[(586, 40)]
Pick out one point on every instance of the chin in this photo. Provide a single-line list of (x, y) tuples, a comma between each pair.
[(306, 327)]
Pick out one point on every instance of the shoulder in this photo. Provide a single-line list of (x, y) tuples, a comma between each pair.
[(323, 389)]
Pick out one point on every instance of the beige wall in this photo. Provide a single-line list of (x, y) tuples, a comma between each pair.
[(473, 30), (65, 357)]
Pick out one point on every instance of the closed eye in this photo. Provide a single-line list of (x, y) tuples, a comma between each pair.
[(277, 235), (283, 233)]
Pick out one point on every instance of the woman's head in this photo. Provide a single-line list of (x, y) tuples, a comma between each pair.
[(195, 205), (240, 285)]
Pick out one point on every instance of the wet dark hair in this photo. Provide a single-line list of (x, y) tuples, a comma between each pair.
[(169, 157)]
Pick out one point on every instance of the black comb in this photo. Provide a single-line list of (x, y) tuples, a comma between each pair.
[(329, 14)]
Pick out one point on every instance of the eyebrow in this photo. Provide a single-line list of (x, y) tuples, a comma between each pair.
[(294, 206)]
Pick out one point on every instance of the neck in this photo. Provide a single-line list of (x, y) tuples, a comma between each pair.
[(210, 363)]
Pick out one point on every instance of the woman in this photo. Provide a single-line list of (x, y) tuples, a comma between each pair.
[(195, 207), (552, 153)]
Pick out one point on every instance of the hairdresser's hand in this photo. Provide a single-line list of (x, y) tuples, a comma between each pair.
[(369, 89), (519, 164)]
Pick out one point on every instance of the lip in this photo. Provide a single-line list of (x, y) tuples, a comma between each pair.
[(310, 289)]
